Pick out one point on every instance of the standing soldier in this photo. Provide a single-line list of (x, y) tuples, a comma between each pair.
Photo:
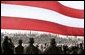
[(52, 49), (19, 49), (31, 49)]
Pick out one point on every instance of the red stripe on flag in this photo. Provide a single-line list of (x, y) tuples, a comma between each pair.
[(38, 25), (56, 6)]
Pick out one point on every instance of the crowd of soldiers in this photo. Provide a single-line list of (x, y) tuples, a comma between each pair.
[(9, 48)]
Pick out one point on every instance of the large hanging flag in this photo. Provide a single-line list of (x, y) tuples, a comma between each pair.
[(60, 17)]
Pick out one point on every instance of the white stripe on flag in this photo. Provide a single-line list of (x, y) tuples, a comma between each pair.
[(73, 4)]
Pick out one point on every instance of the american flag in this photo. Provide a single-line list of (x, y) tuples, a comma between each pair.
[(60, 17)]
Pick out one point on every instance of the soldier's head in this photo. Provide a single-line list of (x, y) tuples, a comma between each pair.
[(6, 38), (31, 40), (53, 42), (20, 42)]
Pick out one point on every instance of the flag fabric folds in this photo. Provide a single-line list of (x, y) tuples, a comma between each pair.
[(48, 16)]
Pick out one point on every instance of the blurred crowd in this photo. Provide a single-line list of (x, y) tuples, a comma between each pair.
[(41, 38), (8, 47)]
